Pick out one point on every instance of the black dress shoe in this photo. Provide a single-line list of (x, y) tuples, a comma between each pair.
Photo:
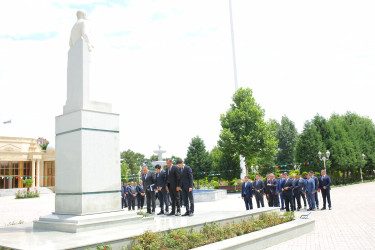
[(171, 214), (323, 208), (191, 214), (161, 212), (330, 208), (178, 214), (186, 214)]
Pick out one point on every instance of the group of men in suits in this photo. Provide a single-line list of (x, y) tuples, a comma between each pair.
[(286, 192), (175, 184), (131, 191)]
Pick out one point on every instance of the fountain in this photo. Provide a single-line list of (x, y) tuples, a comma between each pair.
[(160, 161)]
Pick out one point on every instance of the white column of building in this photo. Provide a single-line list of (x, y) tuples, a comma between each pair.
[(37, 173), (41, 171), (33, 172)]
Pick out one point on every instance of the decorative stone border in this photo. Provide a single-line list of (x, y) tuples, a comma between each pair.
[(265, 238)]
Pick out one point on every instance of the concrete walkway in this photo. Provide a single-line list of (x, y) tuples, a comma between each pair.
[(350, 225)]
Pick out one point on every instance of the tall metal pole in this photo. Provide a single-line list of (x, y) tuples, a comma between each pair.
[(233, 47), (242, 159)]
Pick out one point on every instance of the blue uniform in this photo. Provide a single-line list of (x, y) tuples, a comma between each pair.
[(310, 188), (247, 194)]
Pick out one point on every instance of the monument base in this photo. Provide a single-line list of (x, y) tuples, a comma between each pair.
[(75, 224)]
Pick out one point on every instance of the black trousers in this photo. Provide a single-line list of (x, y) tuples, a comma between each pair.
[(259, 199), (150, 196), (303, 198), (297, 197), (326, 196), (188, 196), (140, 201), (273, 200), (163, 199), (316, 199), (131, 202), (123, 203), (248, 202), (175, 198), (288, 199)]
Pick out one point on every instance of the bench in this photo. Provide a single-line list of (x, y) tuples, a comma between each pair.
[(305, 215)]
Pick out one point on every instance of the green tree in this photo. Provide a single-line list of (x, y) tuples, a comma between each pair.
[(228, 165), (198, 158), (307, 148), (244, 130), (132, 160), (287, 135)]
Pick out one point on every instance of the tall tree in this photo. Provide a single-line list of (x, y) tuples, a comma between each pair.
[(244, 130), (228, 165), (307, 148), (133, 160), (287, 135), (198, 158)]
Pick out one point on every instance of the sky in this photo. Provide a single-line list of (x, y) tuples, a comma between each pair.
[(167, 67)]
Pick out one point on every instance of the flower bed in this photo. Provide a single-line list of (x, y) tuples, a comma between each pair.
[(209, 233), (24, 194)]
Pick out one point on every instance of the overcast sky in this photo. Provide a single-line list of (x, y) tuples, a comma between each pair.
[(166, 65)]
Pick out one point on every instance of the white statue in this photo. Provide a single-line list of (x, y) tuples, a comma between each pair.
[(81, 29)]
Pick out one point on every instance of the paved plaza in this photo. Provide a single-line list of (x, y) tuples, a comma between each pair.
[(350, 225)]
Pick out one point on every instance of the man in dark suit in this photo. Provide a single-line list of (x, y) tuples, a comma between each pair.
[(273, 197), (325, 187), (173, 186), (310, 191), (132, 194), (149, 180), (287, 189), (161, 186), (127, 186), (296, 193), (301, 185), (186, 187), (259, 189), (267, 189), (140, 195), (247, 193), (123, 197), (279, 191), (315, 178)]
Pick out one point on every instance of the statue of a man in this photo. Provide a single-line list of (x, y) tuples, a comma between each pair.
[(81, 29)]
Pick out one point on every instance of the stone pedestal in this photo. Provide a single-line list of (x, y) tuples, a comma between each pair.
[(87, 169)]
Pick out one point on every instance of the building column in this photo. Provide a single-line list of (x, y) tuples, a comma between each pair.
[(33, 172), (42, 173), (37, 173)]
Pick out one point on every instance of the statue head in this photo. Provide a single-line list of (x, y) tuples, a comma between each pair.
[(81, 14)]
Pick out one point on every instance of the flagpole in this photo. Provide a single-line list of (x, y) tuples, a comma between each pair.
[(242, 159), (233, 47)]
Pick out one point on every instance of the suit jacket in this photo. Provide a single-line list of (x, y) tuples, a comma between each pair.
[(287, 183), (310, 185), (140, 189), (267, 188), (161, 179), (316, 182), (273, 187), (279, 182), (123, 191), (301, 185), (296, 188), (148, 179), (259, 185), (173, 177), (132, 190), (247, 189), (325, 182), (186, 179)]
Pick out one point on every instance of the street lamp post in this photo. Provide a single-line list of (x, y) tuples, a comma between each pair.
[(363, 158), (324, 158)]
